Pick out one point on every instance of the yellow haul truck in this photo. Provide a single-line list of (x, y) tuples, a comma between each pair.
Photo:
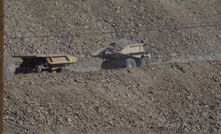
[(38, 63), (123, 56)]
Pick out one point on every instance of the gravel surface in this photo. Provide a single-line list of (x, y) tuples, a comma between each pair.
[(182, 98), (81, 27), (160, 98)]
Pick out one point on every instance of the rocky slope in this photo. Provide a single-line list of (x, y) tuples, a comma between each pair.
[(161, 98), (175, 98), (80, 27)]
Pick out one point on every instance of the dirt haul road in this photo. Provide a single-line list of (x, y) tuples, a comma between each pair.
[(167, 98)]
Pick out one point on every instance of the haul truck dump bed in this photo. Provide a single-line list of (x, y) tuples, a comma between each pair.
[(37, 63)]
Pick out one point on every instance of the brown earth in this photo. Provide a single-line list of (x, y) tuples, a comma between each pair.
[(178, 98), (162, 98), (79, 27)]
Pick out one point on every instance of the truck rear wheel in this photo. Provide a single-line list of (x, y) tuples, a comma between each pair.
[(131, 63), (60, 69)]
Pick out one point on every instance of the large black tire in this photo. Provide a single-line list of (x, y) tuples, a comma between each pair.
[(131, 63), (61, 69)]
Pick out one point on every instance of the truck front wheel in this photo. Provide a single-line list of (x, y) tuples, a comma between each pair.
[(131, 63)]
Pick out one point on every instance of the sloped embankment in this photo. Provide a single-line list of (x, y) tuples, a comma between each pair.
[(171, 98), (80, 27), (182, 98)]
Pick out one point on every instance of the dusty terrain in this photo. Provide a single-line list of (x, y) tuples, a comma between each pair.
[(174, 97), (80, 27), (160, 98)]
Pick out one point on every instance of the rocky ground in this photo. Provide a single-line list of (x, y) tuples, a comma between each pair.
[(81, 26), (178, 98), (160, 98)]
